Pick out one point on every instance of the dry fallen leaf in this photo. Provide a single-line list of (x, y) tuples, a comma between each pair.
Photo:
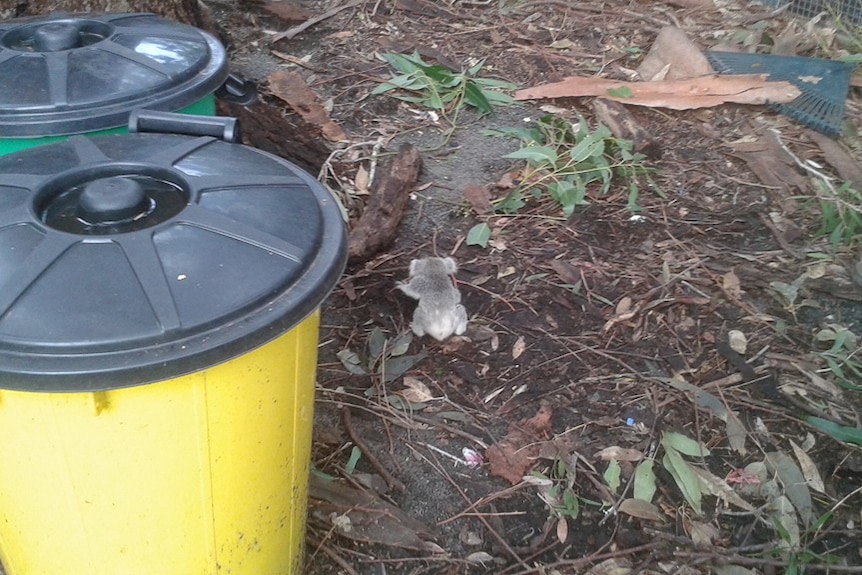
[(361, 181), (370, 519), (620, 454), (640, 509), (675, 56), (507, 460), (837, 156), (514, 455), (623, 306), (737, 341), (415, 391), (701, 92), (730, 284), (809, 469), (479, 198), (770, 161), (703, 534), (505, 272), (479, 557), (562, 530), (518, 348), (567, 272)]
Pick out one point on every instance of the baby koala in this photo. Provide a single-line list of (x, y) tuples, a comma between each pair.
[(439, 313)]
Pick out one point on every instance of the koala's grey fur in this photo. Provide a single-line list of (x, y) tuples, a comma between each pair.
[(439, 313)]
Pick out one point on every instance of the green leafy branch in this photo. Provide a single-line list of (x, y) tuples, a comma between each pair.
[(442, 89), (564, 161)]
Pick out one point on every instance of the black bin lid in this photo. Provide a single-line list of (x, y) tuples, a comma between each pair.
[(136, 258), (63, 74)]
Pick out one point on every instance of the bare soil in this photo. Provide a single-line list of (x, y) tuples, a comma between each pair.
[(578, 326)]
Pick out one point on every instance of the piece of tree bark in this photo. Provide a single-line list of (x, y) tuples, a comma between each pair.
[(292, 89), (623, 125), (268, 128), (702, 92), (188, 11), (390, 193), (839, 158)]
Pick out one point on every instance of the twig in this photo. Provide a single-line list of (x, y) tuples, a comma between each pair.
[(779, 237), (473, 507), (392, 481), (743, 560), (331, 554), (437, 467), (299, 28), (450, 429), (584, 561), (294, 60)]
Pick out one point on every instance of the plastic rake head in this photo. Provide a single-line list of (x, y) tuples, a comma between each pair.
[(823, 83)]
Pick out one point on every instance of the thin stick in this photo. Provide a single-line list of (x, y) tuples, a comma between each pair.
[(331, 554), (439, 469), (392, 481), (291, 32)]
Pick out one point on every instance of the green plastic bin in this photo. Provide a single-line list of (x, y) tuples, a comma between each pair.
[(83, 74)]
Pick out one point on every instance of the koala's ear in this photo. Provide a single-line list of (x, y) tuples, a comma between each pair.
[(414, 266), (451, 266)]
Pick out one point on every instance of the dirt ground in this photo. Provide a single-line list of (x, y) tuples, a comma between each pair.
[(592, 338)]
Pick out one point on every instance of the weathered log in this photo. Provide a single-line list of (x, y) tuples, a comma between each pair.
[(390, 193)]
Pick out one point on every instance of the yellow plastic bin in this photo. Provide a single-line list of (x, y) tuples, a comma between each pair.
[(159, 298)]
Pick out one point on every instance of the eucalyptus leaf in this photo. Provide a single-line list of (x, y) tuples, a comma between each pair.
[(376, 343), (571, 503), (736, 433), (684, 477), (351, 362), (836, 431), (644, 481), (784, 521), (718, 487), (793, 482), (683, 444), (350, 466), (498, 98), (641, 509), (479, 235), (612, 475), (474, 96), (400, 344), (394, 367), (588, 147), (536, 154), (399, 402), (492, 83), (788, 292)]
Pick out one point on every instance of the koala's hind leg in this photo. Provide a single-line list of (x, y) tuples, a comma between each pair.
[(416, 324)]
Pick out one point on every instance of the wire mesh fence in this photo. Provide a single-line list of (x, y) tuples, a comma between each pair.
[(848, 10)]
